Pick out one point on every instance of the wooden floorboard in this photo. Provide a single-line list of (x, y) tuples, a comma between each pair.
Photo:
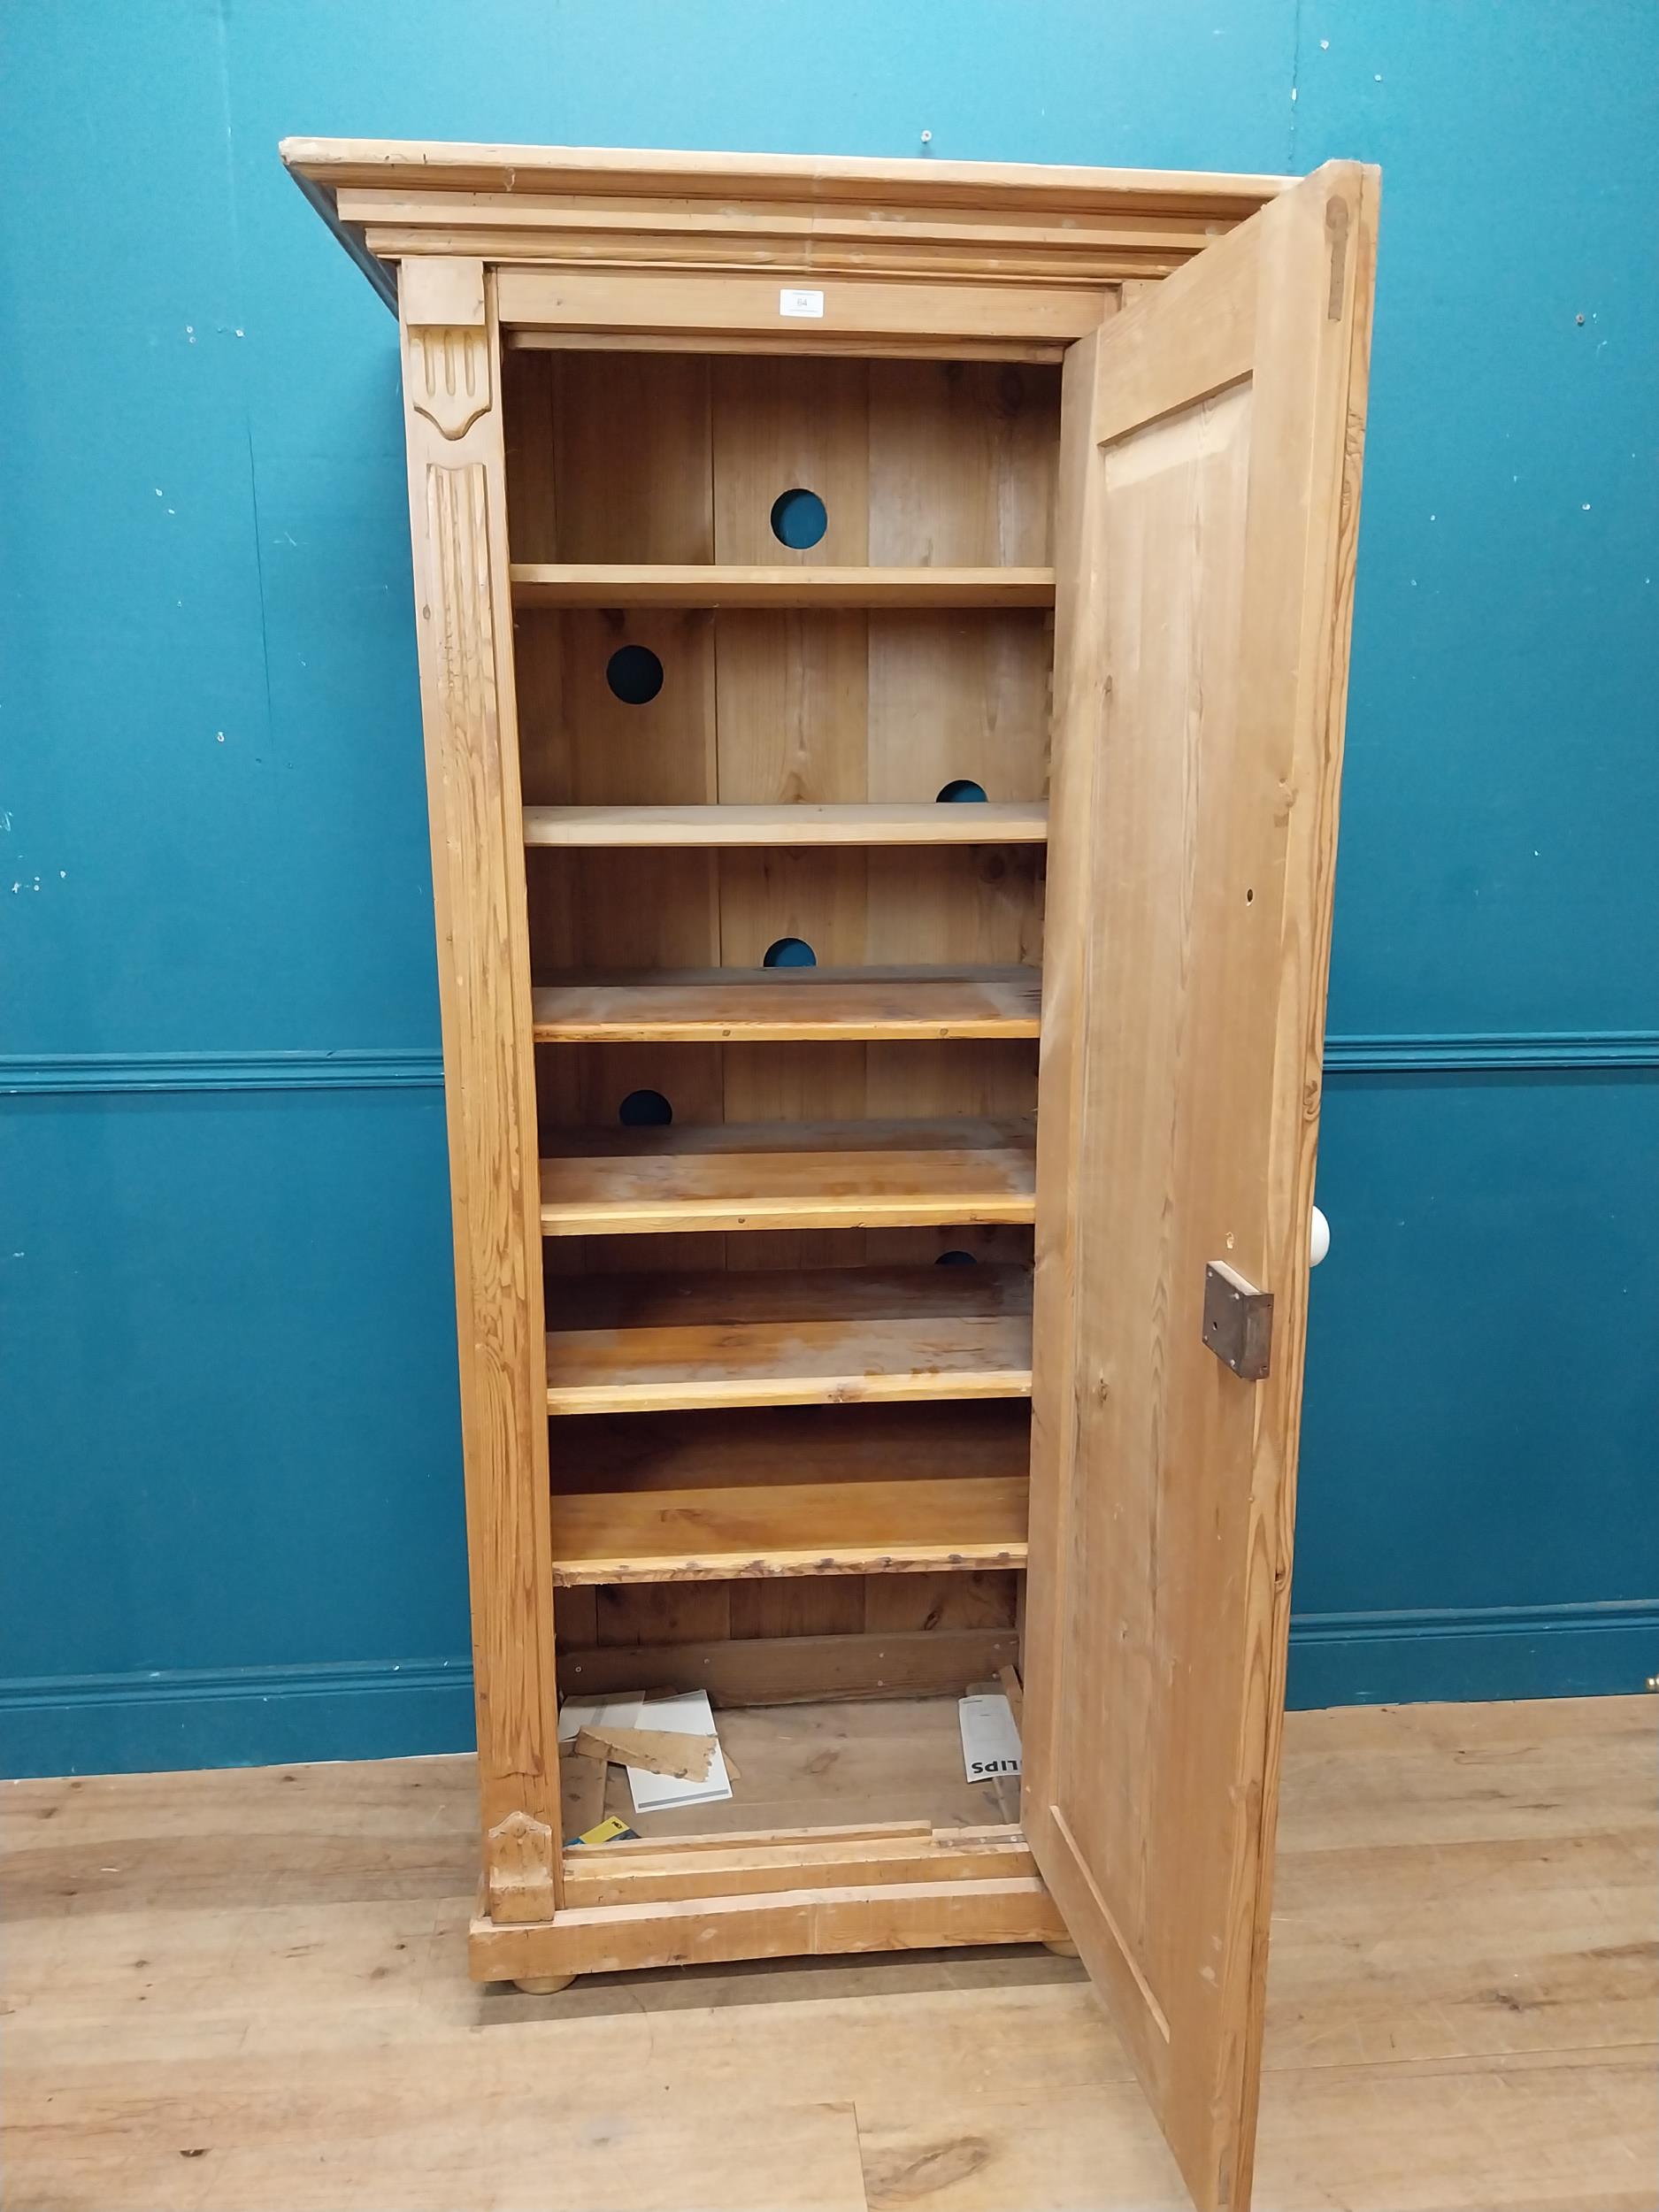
[(248, 1990)]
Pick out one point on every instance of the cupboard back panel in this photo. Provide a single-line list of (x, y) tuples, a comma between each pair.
[(649, 1615), (663, 457), (682, 458)]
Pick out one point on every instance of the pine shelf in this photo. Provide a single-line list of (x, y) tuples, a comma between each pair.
[(901, 822), (749, 1337), (790, 1491), (791, 1175), (630, 584), (775, 1005), (905, 1526)]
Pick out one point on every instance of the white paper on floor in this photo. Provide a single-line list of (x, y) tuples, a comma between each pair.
[(578, 1713), (990, 1741), (687, 1716)]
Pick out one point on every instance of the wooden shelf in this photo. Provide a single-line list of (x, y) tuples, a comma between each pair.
[(770, 1005), (791, 1175), (749, 1337), (630, 584), (925, 822), (796, 1528), (805, 1490)]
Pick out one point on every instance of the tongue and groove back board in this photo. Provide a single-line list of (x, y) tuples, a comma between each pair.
[(833, 578), (925, 469)]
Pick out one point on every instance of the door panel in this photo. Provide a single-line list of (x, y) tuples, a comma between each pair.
[(1209, 503)]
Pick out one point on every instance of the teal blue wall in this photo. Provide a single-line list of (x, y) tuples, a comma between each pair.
[(231, 1517)]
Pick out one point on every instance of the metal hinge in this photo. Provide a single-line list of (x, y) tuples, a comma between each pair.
[(1238, 1321)]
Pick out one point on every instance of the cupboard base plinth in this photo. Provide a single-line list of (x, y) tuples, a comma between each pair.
[(789, 1923)]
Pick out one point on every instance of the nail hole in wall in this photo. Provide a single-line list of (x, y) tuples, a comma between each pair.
[(789, 952), (645, 1110), (961, 790), (799, 519), (635, 675)]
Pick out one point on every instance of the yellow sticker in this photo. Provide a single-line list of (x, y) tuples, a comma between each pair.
[(610, 1829)]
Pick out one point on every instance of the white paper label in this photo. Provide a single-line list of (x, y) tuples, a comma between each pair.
[(808, 303), (990, 1741)]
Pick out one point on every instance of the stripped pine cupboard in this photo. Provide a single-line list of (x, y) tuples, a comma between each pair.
[(883, 637)]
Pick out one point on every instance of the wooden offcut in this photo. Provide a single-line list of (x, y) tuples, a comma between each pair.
[(657, 1750)]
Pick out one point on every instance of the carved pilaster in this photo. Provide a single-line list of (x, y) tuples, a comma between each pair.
[(464, 623), (450, 356)]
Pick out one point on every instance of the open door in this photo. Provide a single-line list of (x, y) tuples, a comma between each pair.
[(1211, 436)]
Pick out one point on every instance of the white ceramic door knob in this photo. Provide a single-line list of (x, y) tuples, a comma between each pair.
[(1319, 1239)]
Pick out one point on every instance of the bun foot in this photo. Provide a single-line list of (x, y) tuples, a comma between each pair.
[(1061, 1946), (543, 1984)]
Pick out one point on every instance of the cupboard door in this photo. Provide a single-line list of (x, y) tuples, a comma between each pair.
[(1211, 438)]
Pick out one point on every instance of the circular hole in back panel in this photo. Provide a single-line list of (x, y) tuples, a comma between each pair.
[(957, 1259), (634, 675), (789, 952), (645, 1110), (799, 519), (962, 791)]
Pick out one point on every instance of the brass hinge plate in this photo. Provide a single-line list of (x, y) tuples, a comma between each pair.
[(1238, 1321)]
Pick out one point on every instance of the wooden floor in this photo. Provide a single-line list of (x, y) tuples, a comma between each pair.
[(247, 1990)]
